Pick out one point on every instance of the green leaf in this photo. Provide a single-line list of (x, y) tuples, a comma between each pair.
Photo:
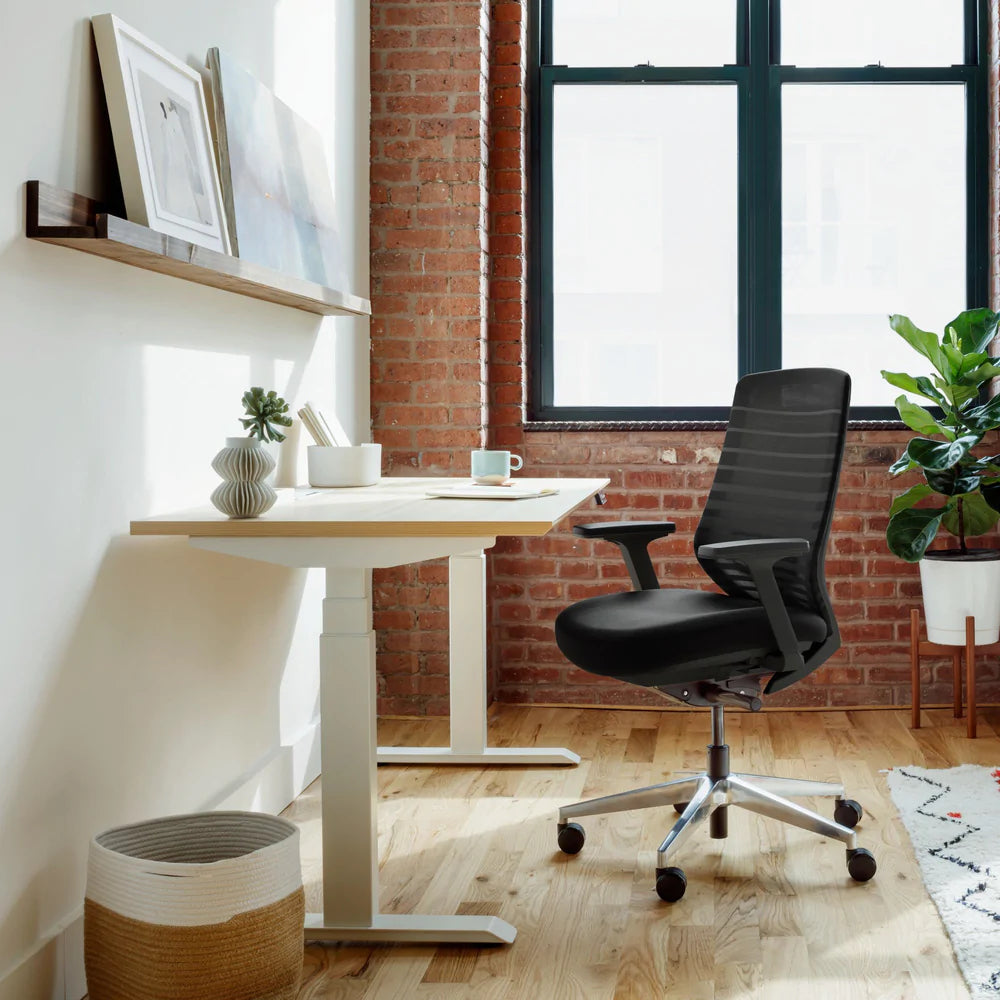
[(977, 515), (975, 328), (940, 455), (924, 343), (972, 361), (927, 389), (956, 359), (958, 393), (983, 418), (911, 531), (979, 375), (902, 464), (921, 385), (912, 496), (952, 482), (920, 420)]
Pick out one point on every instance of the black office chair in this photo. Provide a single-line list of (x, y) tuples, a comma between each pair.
[(762, 539)]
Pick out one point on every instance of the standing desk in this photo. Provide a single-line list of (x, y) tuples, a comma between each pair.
[(348, 532)]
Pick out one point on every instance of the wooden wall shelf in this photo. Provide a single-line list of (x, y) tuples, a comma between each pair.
[(71, 220)]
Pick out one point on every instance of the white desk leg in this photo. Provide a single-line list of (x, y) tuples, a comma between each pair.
[(350, 792), (467, 652), (467, 679)]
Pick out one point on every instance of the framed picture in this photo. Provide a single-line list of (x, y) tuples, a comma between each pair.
[(162, 139), (275, 180)]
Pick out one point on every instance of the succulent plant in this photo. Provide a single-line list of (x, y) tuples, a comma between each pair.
[(264, 410)]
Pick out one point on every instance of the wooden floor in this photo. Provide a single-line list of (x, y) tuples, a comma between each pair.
[(769, 913)]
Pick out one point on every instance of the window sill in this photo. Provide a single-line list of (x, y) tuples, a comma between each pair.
[(620, 426)]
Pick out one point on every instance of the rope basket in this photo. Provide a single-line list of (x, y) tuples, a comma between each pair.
[(208, 906)]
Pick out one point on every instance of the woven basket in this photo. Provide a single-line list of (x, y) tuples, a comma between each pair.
[(202, 907)]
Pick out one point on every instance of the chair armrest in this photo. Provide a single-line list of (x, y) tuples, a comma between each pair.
[(608, 529), (632, 538), (759, 556), (755, 548)]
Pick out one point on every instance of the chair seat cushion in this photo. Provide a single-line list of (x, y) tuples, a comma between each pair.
[(656, 637)]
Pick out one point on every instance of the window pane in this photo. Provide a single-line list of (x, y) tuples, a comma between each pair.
[(644, 245), (865, 32), (874, 223), (630, 32)]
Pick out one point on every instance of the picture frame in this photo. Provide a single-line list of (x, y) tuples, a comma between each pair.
[(163, 142), (276, 186)]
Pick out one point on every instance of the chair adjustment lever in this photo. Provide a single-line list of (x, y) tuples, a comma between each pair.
[(716, 695)]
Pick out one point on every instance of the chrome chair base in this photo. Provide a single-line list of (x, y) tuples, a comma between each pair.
[(758, 793), (708, 794)]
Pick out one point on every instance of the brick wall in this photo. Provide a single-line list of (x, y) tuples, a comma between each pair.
[(429, 142), (654, 473), (448, 115)]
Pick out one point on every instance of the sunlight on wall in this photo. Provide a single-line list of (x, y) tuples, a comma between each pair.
[(304, 72), (192, 403)]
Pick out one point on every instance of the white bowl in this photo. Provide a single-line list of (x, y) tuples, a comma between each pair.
[(359, 465)]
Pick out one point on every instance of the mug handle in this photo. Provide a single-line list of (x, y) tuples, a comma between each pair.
[(519, 460)]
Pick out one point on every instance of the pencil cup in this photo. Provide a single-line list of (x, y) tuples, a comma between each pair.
[(360, 465)]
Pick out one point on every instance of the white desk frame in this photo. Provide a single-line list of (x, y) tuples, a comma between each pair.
[(348, 547)]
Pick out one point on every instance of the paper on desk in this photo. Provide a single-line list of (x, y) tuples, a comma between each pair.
[(473, 491)]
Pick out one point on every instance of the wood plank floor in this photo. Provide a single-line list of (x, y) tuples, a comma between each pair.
[(769, 913)]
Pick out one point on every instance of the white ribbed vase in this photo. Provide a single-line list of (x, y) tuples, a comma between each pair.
[(193, 907), (243, 465)]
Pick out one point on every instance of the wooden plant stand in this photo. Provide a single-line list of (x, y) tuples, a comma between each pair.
[(923, 647)]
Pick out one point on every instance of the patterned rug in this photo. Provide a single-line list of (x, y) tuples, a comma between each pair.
[(953, 819)]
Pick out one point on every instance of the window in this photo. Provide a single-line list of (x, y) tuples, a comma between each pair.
[(728, 186)]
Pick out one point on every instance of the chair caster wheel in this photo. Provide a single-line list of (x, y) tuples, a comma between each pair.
[(679, 807), (670, 884), (861, 864), (571, 838), (847, 813)]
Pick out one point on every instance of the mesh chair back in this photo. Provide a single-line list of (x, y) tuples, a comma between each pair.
[(777, 478)]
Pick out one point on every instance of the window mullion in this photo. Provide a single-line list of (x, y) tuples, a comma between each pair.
[(760, 346), (977, 155), (977, 195)]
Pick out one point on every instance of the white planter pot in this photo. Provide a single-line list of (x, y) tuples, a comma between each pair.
[(956, 588)]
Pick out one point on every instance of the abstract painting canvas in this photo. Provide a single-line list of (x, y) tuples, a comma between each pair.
[(275, 181)]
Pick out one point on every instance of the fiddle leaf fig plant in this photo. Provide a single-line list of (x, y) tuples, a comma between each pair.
[(965, 488), (264, 411)]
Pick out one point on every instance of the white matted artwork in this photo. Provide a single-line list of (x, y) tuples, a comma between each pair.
[(163, 142), (275, 180)]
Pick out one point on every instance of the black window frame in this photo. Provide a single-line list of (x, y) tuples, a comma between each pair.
[(755, 72)]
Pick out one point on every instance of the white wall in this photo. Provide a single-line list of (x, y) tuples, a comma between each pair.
[(139, 677)]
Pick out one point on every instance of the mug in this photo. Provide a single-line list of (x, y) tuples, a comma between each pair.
[(491, 468)]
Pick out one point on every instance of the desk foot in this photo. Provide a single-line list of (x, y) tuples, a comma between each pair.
[(491, 755), (417, 927)]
